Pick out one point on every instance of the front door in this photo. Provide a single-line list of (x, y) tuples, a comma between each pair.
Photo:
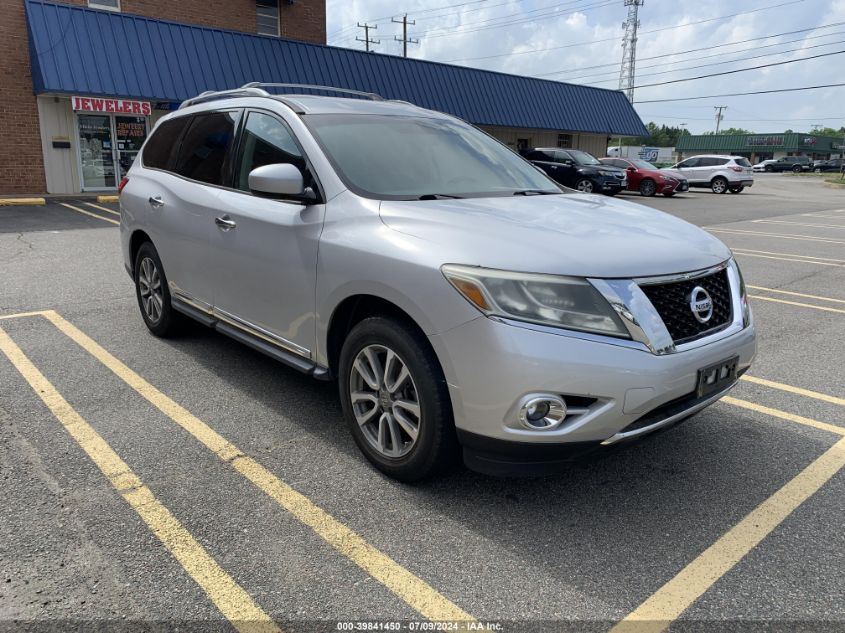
[(265, 250), (96, 152)]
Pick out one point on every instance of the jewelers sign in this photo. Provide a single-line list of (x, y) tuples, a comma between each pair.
[(111, 106)]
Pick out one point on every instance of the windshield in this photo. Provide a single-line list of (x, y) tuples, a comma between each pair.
[(642, 164), (583, 158), (404, 158)]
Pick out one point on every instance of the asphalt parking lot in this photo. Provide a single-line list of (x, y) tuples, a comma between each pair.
[(195, 483)]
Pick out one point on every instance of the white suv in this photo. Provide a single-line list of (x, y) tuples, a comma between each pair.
[(719, 173)]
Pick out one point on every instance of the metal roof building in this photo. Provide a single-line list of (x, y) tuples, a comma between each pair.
[(109, 63)]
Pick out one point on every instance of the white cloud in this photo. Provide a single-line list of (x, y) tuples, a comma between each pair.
[(459, 33)]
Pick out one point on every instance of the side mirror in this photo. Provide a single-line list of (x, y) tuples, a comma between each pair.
[(279, 179)]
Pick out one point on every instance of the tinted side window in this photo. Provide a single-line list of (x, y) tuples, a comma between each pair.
[(563, 157), (543, 156), (690, 162), (717, 162), (205, 147), (742, 162), (265, 141), (160, 150)]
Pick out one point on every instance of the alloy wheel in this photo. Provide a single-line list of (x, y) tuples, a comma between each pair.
[(385, 401), (584, 185), (149, 284)]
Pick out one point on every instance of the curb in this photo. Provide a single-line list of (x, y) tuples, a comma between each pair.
[(28, 202), (834, 185), (107, 199)]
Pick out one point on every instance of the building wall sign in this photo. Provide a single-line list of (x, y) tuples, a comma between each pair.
[(765, 141), (809, 140), (115, 106)]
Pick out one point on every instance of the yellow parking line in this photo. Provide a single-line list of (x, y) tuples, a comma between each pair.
[(19, 315), (785, 259), (806, 238), (226, 594), (796, 294), (796, 390), (824, 259), (93, 215), (796, 303), (819, 226), (676, 596), (784, 415), (97, 206), (417, 593)]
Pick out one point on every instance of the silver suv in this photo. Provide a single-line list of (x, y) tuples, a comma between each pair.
[(718, 173), (464, 303)]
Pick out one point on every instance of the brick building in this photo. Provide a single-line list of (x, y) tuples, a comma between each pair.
[(22, 157), (84, 82)]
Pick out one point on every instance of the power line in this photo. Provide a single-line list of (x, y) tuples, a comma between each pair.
[(741, 70), (706, 48), (404, 39), (613, 39), (366, 39), (727, 61), (745, 94)]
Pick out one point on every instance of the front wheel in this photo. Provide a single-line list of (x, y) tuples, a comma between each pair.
[(584, 185), (768, 169), (719, 185), (796, 169), (396, 401), (817, 170), (736, 189), (153, 294), (648, 188)]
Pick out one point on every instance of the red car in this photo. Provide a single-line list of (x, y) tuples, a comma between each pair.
[(648, 179)]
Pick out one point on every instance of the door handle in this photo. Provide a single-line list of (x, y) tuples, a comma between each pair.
[(225, 223), (155, 202)]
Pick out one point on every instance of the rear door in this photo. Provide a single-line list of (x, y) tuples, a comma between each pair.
[(265, 250)]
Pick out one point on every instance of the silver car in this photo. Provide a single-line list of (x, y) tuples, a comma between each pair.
[(464, 303), (718, 173)]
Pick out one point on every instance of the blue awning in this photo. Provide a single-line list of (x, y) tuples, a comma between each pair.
[(76, 50)]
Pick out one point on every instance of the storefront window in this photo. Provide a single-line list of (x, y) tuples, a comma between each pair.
[(96, 151), (130, 132)]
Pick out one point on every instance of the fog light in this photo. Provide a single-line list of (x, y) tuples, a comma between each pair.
[(542, 412)]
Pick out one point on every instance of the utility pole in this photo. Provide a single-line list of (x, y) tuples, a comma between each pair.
[(719, 115), (629, 49), (404, 39), (367, 41)]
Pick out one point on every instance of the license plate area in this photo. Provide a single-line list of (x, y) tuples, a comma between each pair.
[(716, 377)]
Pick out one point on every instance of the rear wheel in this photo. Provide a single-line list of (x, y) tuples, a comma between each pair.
[(719, 185), (585, 185), (648, 188), (153, 294), (736, 189), (396, 401)]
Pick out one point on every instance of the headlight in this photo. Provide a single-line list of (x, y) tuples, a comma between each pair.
[(565, 302), (743, 298), (603, 172)]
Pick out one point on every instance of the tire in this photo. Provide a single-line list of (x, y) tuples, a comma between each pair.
[(736, 189), (768, 169), (153, 294), (719, 185), (796, 169), (648, 187), (585, 185), (817, 170), (401, 456)]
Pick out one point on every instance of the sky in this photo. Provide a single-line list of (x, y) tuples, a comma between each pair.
[(583, 44)]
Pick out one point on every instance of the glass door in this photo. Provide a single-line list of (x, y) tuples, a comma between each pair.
[(96, 151), (130, 133)]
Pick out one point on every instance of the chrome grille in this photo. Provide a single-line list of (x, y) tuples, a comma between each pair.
[(672, 302)]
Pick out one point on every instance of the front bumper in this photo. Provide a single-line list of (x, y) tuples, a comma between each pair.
[(491, 365), (611, 183)]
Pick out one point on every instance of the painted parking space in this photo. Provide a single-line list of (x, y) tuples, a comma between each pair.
[(59, 214)]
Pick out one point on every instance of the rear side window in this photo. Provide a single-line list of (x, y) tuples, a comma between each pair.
[(742, 162), (206, 146), (541, 156), (718, 162), (160, 150)]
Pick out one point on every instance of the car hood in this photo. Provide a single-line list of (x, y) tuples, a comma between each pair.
[(567, 234)]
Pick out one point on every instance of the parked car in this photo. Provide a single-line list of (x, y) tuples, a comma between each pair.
[(719, 173), (464, 303), (578, 170), (648, 179), (761, 166), (834, 165), (795, 164)]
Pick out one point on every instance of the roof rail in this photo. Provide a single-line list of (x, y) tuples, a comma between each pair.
[(259, 85), (212, 95)]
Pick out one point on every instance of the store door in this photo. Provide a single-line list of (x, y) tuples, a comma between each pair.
[(108, 145), (96, 151)]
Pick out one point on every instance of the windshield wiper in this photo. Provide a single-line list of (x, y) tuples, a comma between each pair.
[(437, 196), (534, 192)]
